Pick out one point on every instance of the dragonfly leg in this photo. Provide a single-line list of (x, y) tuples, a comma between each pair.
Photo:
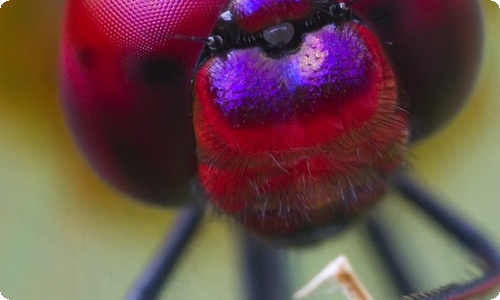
[(264, 270), (486, 253), (150, 284)]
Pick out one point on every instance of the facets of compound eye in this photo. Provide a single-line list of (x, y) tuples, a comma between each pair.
[(126, 95), (437, 76), (280, 34)]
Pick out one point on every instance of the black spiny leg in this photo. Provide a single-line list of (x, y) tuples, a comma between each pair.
[(150, 284), (469, 237), (264, 271)]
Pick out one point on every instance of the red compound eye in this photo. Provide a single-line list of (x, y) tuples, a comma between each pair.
[(435, 47), (293, 121), (127, 90)]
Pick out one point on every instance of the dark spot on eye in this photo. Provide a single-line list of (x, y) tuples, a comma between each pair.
[(161, 71), (85, 57)]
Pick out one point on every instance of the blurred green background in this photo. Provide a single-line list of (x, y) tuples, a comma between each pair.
[(65, 235)]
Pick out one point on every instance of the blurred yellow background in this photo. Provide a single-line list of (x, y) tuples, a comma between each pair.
[(65, 235)]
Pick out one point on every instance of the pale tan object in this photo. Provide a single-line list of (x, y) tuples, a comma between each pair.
[(341, 273)]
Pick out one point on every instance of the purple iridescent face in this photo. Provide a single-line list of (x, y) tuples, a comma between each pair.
[(251, 87), (297, 117)]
